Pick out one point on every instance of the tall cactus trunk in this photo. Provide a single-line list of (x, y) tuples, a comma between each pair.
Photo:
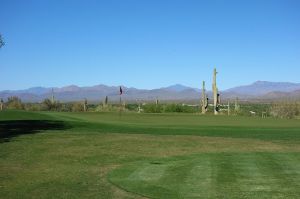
[(215, 92), (204, 101)]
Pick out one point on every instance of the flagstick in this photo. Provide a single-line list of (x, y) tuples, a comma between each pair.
[(120, 111)]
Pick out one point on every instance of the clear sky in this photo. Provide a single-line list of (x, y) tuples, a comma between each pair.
[(148, 43)]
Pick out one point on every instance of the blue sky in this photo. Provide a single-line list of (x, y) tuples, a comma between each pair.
[(148, 44)]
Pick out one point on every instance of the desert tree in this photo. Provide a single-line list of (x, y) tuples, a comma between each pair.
[(48, 105), (14, 102)]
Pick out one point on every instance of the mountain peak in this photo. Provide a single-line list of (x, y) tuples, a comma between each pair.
[(259, 82), (69, 88), (177, 87)]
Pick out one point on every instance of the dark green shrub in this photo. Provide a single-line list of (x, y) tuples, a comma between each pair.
[(153, 108), (14, 103), (48, 105)]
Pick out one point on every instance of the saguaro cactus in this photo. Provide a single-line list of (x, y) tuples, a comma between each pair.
[(85, 105), (228, 108), (52, 97), (106, 100), (1, 104), (216, 95), (236, 105), (204, 101)]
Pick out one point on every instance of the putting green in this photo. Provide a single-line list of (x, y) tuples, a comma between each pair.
[(214, 175)]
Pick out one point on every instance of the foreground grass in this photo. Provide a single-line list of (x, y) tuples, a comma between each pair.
[(214, 175), (100, 155)]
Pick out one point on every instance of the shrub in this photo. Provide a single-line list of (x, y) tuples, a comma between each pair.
[(48, 105), (257, 107), (32, 107), (78, 107), (14, 103), (66, 107), (153, 108), (173, 108), (108, 108), (285, 109), (132, 107), (179, 108)]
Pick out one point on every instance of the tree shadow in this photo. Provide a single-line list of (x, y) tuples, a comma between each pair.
[(13, 128)]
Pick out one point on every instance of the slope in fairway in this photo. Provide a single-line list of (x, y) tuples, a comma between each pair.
[(214, 175), (184, 124), (98, 155)]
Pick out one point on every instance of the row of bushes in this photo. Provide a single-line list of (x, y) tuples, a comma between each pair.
[(169, 108), (258, 108), (286, 109), (46, 105)]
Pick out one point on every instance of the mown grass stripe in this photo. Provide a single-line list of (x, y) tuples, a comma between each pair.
[(223, 175), (198, 182)]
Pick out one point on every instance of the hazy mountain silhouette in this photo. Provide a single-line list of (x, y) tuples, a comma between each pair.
[(259, 89), (264, 87), (178, 88)]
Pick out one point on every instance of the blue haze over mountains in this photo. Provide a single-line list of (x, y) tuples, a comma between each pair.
[(257, 90)]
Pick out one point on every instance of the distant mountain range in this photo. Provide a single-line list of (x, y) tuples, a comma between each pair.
[(264, 87), (258, 90)]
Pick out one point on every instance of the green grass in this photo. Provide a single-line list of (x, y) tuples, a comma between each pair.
[(105, 155), (214, 175), (185, 124)]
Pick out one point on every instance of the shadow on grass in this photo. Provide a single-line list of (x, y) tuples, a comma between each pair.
[(13, 128)]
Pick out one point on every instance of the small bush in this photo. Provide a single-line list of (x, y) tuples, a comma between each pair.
[(33, 107), (109, 108), (78, 107), (285, 110), (153, 108), (173, 108), (48, 105), (179, 108), (14, 103), (132, 107), (66, 107)]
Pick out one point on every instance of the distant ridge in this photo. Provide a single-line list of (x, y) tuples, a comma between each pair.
[(264, 87), (256, 90), (178, 88)]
